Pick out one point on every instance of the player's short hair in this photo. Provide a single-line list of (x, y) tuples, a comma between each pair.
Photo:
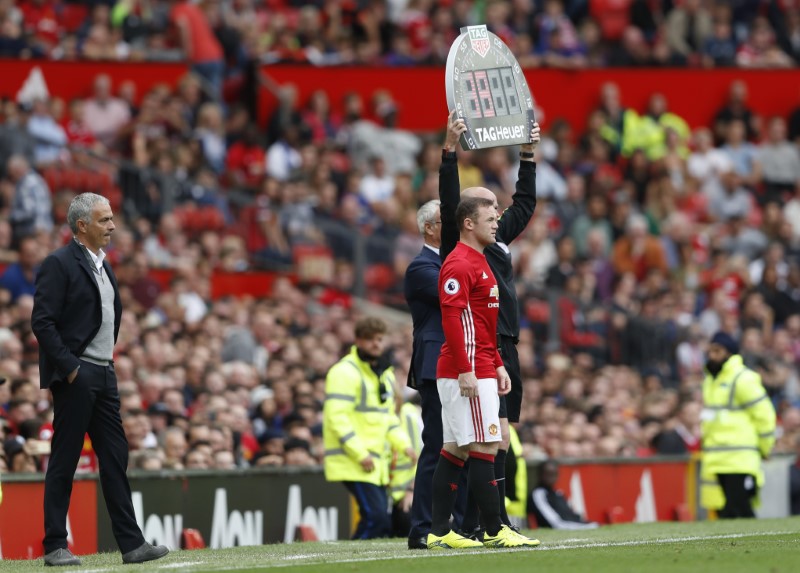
[(469, 207), (369, 327), (427, 214)]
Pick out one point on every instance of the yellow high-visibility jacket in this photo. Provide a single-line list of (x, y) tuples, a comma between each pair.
[(403, 469), (623, 136), (519, 481), (738, 427), (357, 423), (650, 135)]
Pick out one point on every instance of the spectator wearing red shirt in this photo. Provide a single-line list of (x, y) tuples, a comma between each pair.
[(613, 16), (317, 116), (41, 23), (199, 44), (724, 276), (77, 131), (245, 161)]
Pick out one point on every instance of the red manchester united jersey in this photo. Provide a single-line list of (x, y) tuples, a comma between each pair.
[(470, 302)]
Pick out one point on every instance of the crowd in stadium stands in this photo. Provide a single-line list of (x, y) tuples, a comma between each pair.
[(648, 237), (555, 33)]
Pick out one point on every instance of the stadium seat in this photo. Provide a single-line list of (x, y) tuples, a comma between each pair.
[(616, 514), (52, 177), (70, 179), (250, 230), (114, 196), (305, 533), (537, 311), (211, 220), (379, 277), (683, 513), (192, 539)]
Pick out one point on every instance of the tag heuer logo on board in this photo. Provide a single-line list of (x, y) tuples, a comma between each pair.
[(479, 39)]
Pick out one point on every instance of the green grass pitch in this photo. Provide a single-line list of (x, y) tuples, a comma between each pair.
[(746, 546)]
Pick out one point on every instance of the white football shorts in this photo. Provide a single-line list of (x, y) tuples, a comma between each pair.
[(469, 420)]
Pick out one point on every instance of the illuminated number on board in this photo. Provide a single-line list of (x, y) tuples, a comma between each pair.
[(510, 90), (484, 93), (498, 93), (470, 90)]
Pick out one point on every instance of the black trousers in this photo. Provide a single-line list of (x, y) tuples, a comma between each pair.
[(432, 439), (739, 491), (90, 404), (401, 521), (511, 403)]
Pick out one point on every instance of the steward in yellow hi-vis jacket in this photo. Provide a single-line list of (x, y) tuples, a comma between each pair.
[(404, 468), (516, 481), (359, 423), (738, 431)]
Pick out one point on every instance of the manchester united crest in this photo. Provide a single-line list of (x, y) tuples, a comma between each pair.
[(492, 430)]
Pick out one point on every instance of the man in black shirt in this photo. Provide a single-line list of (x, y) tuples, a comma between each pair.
[(513, 222)]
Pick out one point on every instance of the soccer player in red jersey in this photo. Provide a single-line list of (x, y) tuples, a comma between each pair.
[(470, 378)]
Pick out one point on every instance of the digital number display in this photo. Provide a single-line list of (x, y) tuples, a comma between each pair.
[(485, 86), (490, 93)]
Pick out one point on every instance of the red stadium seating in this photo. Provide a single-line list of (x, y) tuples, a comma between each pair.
[(379, 277), (73, 16)]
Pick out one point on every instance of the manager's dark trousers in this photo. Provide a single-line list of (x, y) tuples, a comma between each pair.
[(89, 404), (373, 506), (432, 438)]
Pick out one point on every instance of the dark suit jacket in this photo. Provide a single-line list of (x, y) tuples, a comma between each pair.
[(421, 290), (67, 311)]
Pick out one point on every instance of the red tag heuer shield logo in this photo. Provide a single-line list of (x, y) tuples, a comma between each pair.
[(479, 39)]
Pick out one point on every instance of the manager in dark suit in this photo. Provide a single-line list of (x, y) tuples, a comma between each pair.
[(76, 318), (421, 290)]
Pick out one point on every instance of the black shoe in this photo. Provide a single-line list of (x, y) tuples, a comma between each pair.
[(61, 557), (417, 543), (476, 534), (145, 552)]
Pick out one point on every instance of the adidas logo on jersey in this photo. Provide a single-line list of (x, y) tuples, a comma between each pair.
[(485, 276)]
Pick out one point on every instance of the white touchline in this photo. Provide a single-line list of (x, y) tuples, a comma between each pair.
[(566, 544), (571, 544), (378, 555)]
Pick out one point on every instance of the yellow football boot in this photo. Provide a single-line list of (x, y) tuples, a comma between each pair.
[(452, 540), (507, 537)]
